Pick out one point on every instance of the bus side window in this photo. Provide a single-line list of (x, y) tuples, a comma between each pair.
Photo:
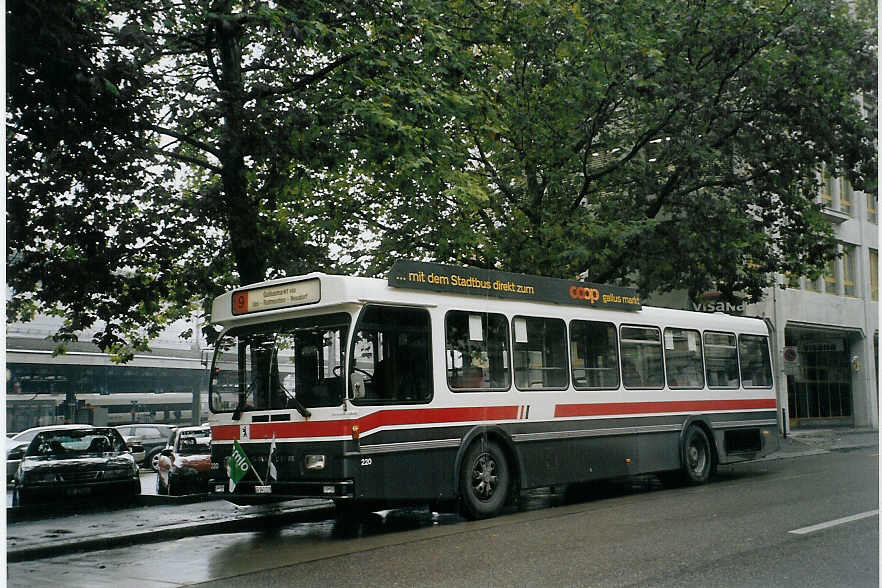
[(642, 358), (756, 367), (683, 362), (594, 355), (476, 351), (721, 360), (540, 358)]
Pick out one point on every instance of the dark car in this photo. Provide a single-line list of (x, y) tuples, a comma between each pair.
[(153, 437), (185, 463), (66, 463), (17, 444)]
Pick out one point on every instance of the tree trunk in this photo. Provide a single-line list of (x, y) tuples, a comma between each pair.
[(241, 208)]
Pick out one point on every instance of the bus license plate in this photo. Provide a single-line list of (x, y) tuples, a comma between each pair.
[(79, 491), (263, 489)]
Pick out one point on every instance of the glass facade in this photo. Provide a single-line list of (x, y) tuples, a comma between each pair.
[(820, 390)]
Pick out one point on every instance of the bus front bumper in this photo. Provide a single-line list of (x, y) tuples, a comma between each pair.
[(256, 493)]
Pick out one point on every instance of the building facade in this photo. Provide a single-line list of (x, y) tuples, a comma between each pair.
[(83, 384), (826, 330)]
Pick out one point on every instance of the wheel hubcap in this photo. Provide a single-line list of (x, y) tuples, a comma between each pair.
[(484, 477), (697, 458)]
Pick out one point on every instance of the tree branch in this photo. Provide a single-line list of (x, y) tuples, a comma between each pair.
[(186, 139), (186, 159)]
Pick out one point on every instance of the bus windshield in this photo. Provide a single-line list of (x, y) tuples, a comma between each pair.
[(287, 364)]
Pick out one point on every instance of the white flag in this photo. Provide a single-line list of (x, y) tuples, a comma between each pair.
[(271, 473)]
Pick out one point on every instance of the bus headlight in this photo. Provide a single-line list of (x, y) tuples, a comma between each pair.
[(315, 462)]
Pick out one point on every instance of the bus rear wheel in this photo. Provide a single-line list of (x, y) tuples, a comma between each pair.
[(484, 480), (698, 458)]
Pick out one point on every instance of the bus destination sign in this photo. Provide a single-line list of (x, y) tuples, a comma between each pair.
[(481, 282), (277, 296)]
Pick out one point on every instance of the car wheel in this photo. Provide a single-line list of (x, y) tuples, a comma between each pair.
[(160, 487), (18, 498), (153, 459), (484, 480)]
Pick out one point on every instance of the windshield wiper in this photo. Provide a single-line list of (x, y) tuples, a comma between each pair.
[(304, 412)]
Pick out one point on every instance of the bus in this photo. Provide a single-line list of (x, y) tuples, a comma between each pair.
[(456, 386)]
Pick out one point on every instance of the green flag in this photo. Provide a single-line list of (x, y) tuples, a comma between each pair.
[(238, 466)]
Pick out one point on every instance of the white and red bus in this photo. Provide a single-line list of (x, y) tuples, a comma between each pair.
[(447, 385)]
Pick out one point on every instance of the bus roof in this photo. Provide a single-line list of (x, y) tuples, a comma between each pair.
[(319, 293)]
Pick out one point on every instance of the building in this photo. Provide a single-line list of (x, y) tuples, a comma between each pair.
[(827, 330), (167, 385)]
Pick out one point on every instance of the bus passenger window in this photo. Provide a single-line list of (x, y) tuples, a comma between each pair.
[(391, 356), (683, 364), (721, 360), (476, 351), (594, 355), (756, 367), (540, 356), (642, 358)]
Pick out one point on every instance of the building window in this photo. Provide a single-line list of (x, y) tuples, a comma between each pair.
[(827, 189), (845, 196), (829, 277), (594, 355), (683, 363), (477, 351), (848, 270), (874, 274), (642, 358), (540, 353), (872, 203), (813, 285)]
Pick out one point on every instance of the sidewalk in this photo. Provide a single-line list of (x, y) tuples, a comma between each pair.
[(164, 518), (803, 442), (173, 519)]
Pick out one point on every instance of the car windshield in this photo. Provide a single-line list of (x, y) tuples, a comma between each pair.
[(292, 364), (194, 442), (71, 444)]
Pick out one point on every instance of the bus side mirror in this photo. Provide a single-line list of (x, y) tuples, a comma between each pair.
[(356, 380)]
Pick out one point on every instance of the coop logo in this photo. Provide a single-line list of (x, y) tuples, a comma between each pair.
[(592, 295)]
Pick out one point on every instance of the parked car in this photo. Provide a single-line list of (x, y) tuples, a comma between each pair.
[(66, 463), (17, 444), (136, 448), (185, 463), (152, 436)]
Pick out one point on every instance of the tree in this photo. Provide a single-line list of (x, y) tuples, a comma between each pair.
[(163, 151), (673, 144)]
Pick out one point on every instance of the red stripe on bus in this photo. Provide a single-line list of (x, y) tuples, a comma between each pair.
[(616, 408), (382, 418)]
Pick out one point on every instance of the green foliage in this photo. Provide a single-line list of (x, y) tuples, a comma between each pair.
[(161, 152), (671, 143)]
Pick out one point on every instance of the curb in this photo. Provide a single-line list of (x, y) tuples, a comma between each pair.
[(249, 522)]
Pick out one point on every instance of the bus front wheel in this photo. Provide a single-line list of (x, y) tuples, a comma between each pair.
[(698, 458), (484, 480)]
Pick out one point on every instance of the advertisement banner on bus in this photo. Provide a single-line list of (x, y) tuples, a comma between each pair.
[(480, 282)]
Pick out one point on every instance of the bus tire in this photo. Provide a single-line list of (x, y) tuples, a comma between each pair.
[(698, 457), (485, 480)]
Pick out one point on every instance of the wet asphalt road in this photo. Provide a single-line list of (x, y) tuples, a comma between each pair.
[(737, 531)]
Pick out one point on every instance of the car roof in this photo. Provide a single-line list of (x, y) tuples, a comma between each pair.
[(36, 430), (193, 429)]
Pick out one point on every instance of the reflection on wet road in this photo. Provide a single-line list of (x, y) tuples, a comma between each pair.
[(209, 557)]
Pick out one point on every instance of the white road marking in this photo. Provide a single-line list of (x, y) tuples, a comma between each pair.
[(828, 524)]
